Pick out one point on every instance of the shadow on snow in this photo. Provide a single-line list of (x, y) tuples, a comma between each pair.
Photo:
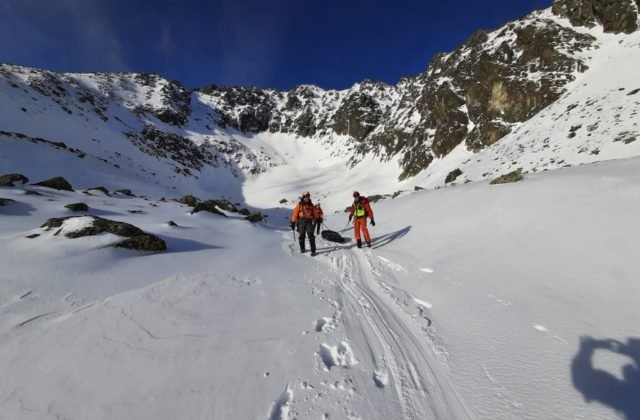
[(622, 395)]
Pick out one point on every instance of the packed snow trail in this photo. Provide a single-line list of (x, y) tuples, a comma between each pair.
[(388, 344)]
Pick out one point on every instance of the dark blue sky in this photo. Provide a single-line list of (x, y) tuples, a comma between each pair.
[(278, 43)]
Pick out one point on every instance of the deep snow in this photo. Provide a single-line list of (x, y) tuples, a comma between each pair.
[(472, 303)]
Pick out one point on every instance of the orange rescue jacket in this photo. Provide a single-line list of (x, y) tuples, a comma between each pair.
[(303, 211)]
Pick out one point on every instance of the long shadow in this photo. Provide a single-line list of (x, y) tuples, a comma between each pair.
[(378, 242), (17, 208), (175, 245), (622, 395)]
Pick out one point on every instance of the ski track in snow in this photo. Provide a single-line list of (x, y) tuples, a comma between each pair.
[(385, 337)]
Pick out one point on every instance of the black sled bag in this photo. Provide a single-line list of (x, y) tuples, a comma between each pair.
[(330, 235)]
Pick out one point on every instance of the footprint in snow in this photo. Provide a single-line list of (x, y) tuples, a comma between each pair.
[(325, 324), (380, 378), (340, 355), (282, 406)]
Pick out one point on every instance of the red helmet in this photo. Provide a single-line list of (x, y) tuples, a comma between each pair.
[(356, 194)]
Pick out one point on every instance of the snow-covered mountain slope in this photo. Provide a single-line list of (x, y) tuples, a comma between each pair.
[(524, 307)]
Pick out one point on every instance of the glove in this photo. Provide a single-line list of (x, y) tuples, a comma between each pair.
[(373, 222), (293, 226), (350, 217)]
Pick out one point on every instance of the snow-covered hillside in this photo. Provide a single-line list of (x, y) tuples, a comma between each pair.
[(453, 313), (476, 301)]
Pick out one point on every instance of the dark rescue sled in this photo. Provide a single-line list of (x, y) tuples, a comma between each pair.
[(332, 236)]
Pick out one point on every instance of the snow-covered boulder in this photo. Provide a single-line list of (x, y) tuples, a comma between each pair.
[(77, 227), (9, 180)]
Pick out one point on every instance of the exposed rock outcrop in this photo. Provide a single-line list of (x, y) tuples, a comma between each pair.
[(57, 183)]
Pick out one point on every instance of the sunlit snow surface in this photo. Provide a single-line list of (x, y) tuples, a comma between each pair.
[(476, 301)]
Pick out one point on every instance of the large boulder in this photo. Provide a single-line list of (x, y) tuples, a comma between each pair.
[(57, 183), (9, 180), (137, 239)]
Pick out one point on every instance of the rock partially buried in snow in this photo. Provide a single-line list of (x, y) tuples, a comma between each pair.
[(453, 175), (189, 200), (225, 205), (77, 207), (57, 183), (9, 180), (78, 226), (97, 191), (210, 205), (514, 176), (125, 192), (255, 217)]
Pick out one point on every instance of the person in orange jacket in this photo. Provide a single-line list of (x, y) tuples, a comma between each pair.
[(304, 217), (361, 209), (319, 216)]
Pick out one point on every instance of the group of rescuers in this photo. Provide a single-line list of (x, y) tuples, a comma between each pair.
[(309, 217)]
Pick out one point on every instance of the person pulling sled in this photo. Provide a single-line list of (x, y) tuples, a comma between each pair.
[(361, 209), (304, 216), (319, 217)]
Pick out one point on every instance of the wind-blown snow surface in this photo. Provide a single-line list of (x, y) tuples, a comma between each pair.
[(472, 304)]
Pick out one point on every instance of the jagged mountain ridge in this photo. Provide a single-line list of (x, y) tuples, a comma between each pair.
[(475, 96)]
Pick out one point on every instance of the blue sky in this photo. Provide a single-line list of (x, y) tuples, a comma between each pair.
[(279, 43)]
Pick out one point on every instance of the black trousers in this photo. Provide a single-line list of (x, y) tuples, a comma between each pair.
[(318, 224), (306, 228)]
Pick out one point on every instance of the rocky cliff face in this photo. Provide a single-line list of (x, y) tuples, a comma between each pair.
[(472, 96), (615, 16)]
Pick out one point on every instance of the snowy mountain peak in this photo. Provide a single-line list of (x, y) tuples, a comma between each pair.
[(467, 100)]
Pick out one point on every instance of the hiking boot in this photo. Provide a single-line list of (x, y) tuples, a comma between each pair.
[(369, 244), (302, 250), (313, 253), (359, 243)]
